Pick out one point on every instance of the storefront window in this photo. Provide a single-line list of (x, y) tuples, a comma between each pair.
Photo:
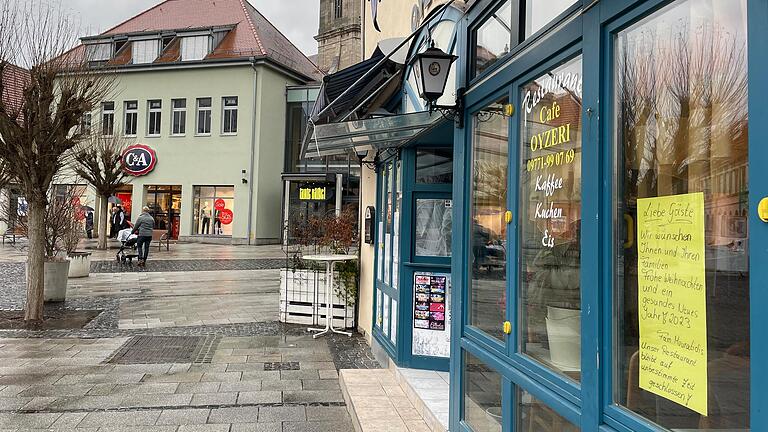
[(214, 210), (538, 13), (396, 229), (534, 415), (433, 227), (682, 337), (434, 166), (550, 219), (493, 38), (164, 204), (482, 396), (490, 150), (390, 175)]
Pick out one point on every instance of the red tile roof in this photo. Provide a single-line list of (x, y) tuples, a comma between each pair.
[(253, 34), (14, 80)]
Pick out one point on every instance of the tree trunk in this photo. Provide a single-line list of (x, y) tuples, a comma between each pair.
[(103, 222), (35, 262)]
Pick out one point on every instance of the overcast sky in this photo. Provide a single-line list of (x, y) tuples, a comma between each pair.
[(297, 19)]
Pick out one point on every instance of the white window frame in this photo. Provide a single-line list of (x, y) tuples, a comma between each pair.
[(108, 112), (86, 122), (181, 112), (231, 108), (145, 51), (101, 51), (198, 110), (156, 112), (135, 113)]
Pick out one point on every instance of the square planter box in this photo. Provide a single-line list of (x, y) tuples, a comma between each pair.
[(302, 300)]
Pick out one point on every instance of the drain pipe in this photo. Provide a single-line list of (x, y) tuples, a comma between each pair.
[(254, 129)]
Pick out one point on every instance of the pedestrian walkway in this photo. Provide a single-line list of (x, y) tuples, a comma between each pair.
[(192, 346)]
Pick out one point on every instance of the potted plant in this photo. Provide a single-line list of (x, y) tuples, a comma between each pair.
[(303, 283)]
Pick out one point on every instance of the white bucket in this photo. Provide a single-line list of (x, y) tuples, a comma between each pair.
[(494, 419), (564, 335)]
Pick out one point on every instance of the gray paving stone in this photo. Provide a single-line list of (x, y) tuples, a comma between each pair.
[(281, 385), (204, 399), (313, 396), (240, 386), (137, 429), (321, 426), (125, 418), (326, 413), (221, 377), (155, 400), (183, 417), (68, 420), (261, 375), (282, 414), (28, 421), (257, 427), (234, 415), (204, 428), (299, 374), (206, 387), (259, 397), (328, 374), (329, 384)]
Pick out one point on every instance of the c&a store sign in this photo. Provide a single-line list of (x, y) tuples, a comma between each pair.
[(138, 160)]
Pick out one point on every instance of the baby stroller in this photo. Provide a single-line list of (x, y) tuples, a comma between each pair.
[(127, 251)]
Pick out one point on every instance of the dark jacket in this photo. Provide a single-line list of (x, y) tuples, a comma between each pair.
[(144, 225)]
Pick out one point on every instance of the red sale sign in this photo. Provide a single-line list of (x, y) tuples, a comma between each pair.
[(226, 216), (219, 204)]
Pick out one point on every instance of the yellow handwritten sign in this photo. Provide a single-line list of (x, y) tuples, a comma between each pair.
[(312, 194), (672, 299)]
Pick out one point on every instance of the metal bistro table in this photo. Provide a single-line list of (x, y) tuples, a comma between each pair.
[(330, 261)]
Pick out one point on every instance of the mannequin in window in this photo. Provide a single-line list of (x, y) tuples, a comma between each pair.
[(205, 215), (217, 223)]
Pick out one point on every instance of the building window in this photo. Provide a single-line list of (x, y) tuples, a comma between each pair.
[(204, 116), (145, 51), (195, 47), (214, 210), (179, 117), (338, 8), (98, 52), (494, 38), (107, 118), (229, 123), (131, 117), (539, 14), (154, 117)]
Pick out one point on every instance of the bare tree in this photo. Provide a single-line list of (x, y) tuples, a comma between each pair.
[(37, 134), (98, 160)]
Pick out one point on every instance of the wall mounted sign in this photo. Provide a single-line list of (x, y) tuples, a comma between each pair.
[(431, 316), (370, 211), (226, 216), (312, 193), (138, 160), (672, 298)]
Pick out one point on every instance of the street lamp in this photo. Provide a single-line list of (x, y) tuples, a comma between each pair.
[(431, 68)]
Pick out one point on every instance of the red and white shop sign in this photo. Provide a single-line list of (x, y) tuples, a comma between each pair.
[(226, 216)]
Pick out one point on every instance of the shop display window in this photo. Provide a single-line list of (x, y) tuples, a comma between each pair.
[(549, 219), (488, 230), (681, 293), (164, 204), (214, 210), (482, 396), (388, 215)]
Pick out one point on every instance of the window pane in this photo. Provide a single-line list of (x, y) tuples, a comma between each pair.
[(482, 396), (534, 416), (204, 102), (539, 13), (388, 225), (493, 38), (681, 138), (489, 230), (434, 166), (433, 227), (396, 230), (550, 218)]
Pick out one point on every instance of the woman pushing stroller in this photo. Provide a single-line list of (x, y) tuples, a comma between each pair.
[(143, 229)]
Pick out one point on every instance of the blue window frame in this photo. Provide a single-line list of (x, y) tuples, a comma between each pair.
[(588, 29)]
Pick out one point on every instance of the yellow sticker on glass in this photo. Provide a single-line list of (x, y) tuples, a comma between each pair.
[(672, 299)]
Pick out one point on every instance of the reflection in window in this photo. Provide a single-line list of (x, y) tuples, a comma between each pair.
[(493, 38), (482, 396), (434, 166), (683, 130), (433, 227), (489, 230), (550, 218), (534, 416), (539, 13)]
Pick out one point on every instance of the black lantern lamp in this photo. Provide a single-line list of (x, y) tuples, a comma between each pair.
[(431, 68)]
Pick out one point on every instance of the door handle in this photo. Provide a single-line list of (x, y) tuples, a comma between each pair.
[(508, 216), (507, 327), (762, 209)]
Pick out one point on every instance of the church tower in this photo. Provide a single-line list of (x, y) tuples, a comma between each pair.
[(339, 38)]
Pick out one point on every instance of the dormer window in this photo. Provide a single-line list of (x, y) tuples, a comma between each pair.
[(145, 51), (195, 47), (98, 52)]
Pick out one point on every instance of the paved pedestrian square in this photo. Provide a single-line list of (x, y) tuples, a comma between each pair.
[(256, 375)]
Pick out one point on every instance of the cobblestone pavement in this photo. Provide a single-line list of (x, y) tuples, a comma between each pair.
[(258, 375), (183, 265)]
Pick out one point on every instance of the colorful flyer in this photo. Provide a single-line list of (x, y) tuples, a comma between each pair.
[(672, 299), (420, 323)]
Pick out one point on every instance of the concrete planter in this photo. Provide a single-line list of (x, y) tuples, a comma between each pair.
[(55, 280), (79, 264), (302, 300)]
